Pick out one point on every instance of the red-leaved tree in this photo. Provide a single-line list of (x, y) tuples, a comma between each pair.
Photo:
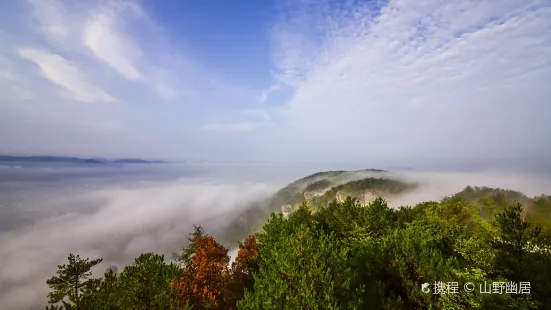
[(208, 282), (241, 273), (203, 283)]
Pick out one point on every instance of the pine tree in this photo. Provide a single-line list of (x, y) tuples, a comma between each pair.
[(71, 279)]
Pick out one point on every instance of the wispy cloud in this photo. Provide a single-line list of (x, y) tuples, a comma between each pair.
[(63, 73), (415, 78), (66, 52), (103, 30), (103, 37)]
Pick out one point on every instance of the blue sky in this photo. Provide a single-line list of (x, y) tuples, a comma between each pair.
[(276, 80), (231, 39)]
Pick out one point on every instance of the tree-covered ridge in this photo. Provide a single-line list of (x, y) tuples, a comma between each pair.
[(382, 187), (294, 194), (351, 183), (491, 201), (473, 194), (321, 174), (343, 256), (318, 185), (333, 173)]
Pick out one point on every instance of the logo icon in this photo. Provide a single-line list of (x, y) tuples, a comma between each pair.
[(425, 288)]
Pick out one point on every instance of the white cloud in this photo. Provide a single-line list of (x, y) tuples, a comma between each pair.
[(229, 127), (445, 78), (63, 73), (102, 37), (103, 32), (105, 51)]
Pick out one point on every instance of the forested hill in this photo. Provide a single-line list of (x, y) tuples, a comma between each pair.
[(344, 255), (318, 190), (491, 201)]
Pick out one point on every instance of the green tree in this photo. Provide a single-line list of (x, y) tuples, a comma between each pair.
[(71, 280), (101, 295), (304, 271), (300, 268), (146, 283), (184, 257), (522, 253), (516, 237)]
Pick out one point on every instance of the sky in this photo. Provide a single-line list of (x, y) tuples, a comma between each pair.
[(280, 80)]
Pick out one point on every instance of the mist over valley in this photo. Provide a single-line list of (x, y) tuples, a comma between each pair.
[(116, 213)]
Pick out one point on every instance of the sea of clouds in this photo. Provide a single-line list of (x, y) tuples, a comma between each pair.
[(115, 213)]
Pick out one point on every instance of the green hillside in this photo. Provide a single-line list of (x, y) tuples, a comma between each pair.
[(377, 187), (330, 185), (491, 201)]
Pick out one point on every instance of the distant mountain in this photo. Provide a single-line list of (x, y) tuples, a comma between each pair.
[(136, 161), (74, 160), (93, 161)]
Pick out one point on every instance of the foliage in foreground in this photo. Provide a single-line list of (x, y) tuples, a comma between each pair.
[(343, 256)]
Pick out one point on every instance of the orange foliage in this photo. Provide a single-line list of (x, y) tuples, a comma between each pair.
[(248, 252), (242, 270), (203, 277), (207, 281)]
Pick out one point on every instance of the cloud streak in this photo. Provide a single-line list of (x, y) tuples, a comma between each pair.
[(63, 73), (102, 37)]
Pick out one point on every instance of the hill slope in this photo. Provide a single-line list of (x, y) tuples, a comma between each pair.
[(491, 201), (318, 190)]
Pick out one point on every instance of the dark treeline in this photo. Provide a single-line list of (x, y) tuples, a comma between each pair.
[(343, 256)]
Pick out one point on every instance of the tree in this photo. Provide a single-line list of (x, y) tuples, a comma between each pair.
[(241, 274), (303, 270), (205, 275), (522, 255), (146, 283), (516, 237), (101, 295), (185, 255), (71, 279)]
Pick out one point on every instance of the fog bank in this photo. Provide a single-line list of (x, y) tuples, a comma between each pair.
[(118, 220)]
